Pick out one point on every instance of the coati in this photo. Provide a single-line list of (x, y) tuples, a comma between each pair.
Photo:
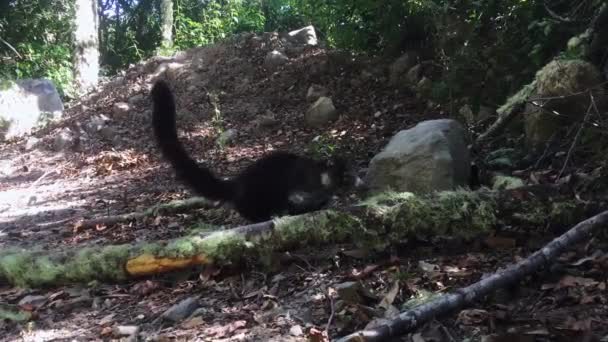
[(276, 184)]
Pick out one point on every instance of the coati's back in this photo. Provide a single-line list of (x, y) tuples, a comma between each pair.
[(263, 187)]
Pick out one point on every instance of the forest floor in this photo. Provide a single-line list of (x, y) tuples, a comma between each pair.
[(115, 168)]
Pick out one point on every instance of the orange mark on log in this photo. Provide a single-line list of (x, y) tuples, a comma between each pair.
[(149, 264)]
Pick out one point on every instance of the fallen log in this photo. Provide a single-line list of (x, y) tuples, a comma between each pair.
[(416, 317), (374, 223)]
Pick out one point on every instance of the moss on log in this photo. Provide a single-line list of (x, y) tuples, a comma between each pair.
[(374, 223)]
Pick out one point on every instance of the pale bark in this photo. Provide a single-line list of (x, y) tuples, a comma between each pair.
[(86, 50), (166, 26)]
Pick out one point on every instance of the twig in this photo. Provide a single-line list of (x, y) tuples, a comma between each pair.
[(576, 137), (333, 311), (29, 191), (11, 47), (513, 107), (171, 207), (411, 319), (446, 332), (555, 15), (546, 151)]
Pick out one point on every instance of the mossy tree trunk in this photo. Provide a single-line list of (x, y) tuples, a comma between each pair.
[(375, 223)]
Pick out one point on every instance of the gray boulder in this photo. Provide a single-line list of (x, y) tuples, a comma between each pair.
[(26, 104), (430, 156), (304, 36), (321, 112)]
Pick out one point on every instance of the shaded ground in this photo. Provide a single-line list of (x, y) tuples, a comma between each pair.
[(118, 170)]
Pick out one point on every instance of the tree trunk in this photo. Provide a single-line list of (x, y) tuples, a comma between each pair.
[(375, 223), (166, 26), (86, 51)]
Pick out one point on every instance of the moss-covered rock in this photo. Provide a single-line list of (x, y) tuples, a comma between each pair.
[(563, 91)]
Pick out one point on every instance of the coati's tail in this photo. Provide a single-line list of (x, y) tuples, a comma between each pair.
[(198, 177)]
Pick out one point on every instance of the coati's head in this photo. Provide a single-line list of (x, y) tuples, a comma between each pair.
[(339, 173)]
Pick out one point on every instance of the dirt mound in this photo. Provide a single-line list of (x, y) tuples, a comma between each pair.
[(105, 141)]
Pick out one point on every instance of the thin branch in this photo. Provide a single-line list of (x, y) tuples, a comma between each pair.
[(409, 320), (171, 207), (577, 137), (555, 15), (11, 47), (333, 311)]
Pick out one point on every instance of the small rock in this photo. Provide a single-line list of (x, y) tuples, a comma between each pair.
[(31, 143), (121, 109), (227, 137), (314, 92), (33, 300), (96, 123), (349, 292), (117, 82), (125, 330), (424, 87), (170, 69), (181, 310), (501, 182), (109, 134), (265, 123), (180, 56), (64, 140), (413, 75), (401, 66), (321, 112), (275, 59), (467, 113), (296, 330), (135, 99)]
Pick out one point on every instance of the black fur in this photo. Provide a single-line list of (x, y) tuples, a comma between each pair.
[(276, 184)]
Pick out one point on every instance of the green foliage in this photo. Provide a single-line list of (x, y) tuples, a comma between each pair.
[(322, 146), (204, 23), (37, 41), (130, 32), (485, 49)]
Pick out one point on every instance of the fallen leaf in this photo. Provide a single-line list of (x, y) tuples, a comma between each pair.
[(315, 335), (106, 320), (417, 337), (472, 316), (389, 298), (106, 331), (571, 281), (497, 242), (223, 330), (596, 255), (145, 287), (193, 322), (357, 253)]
